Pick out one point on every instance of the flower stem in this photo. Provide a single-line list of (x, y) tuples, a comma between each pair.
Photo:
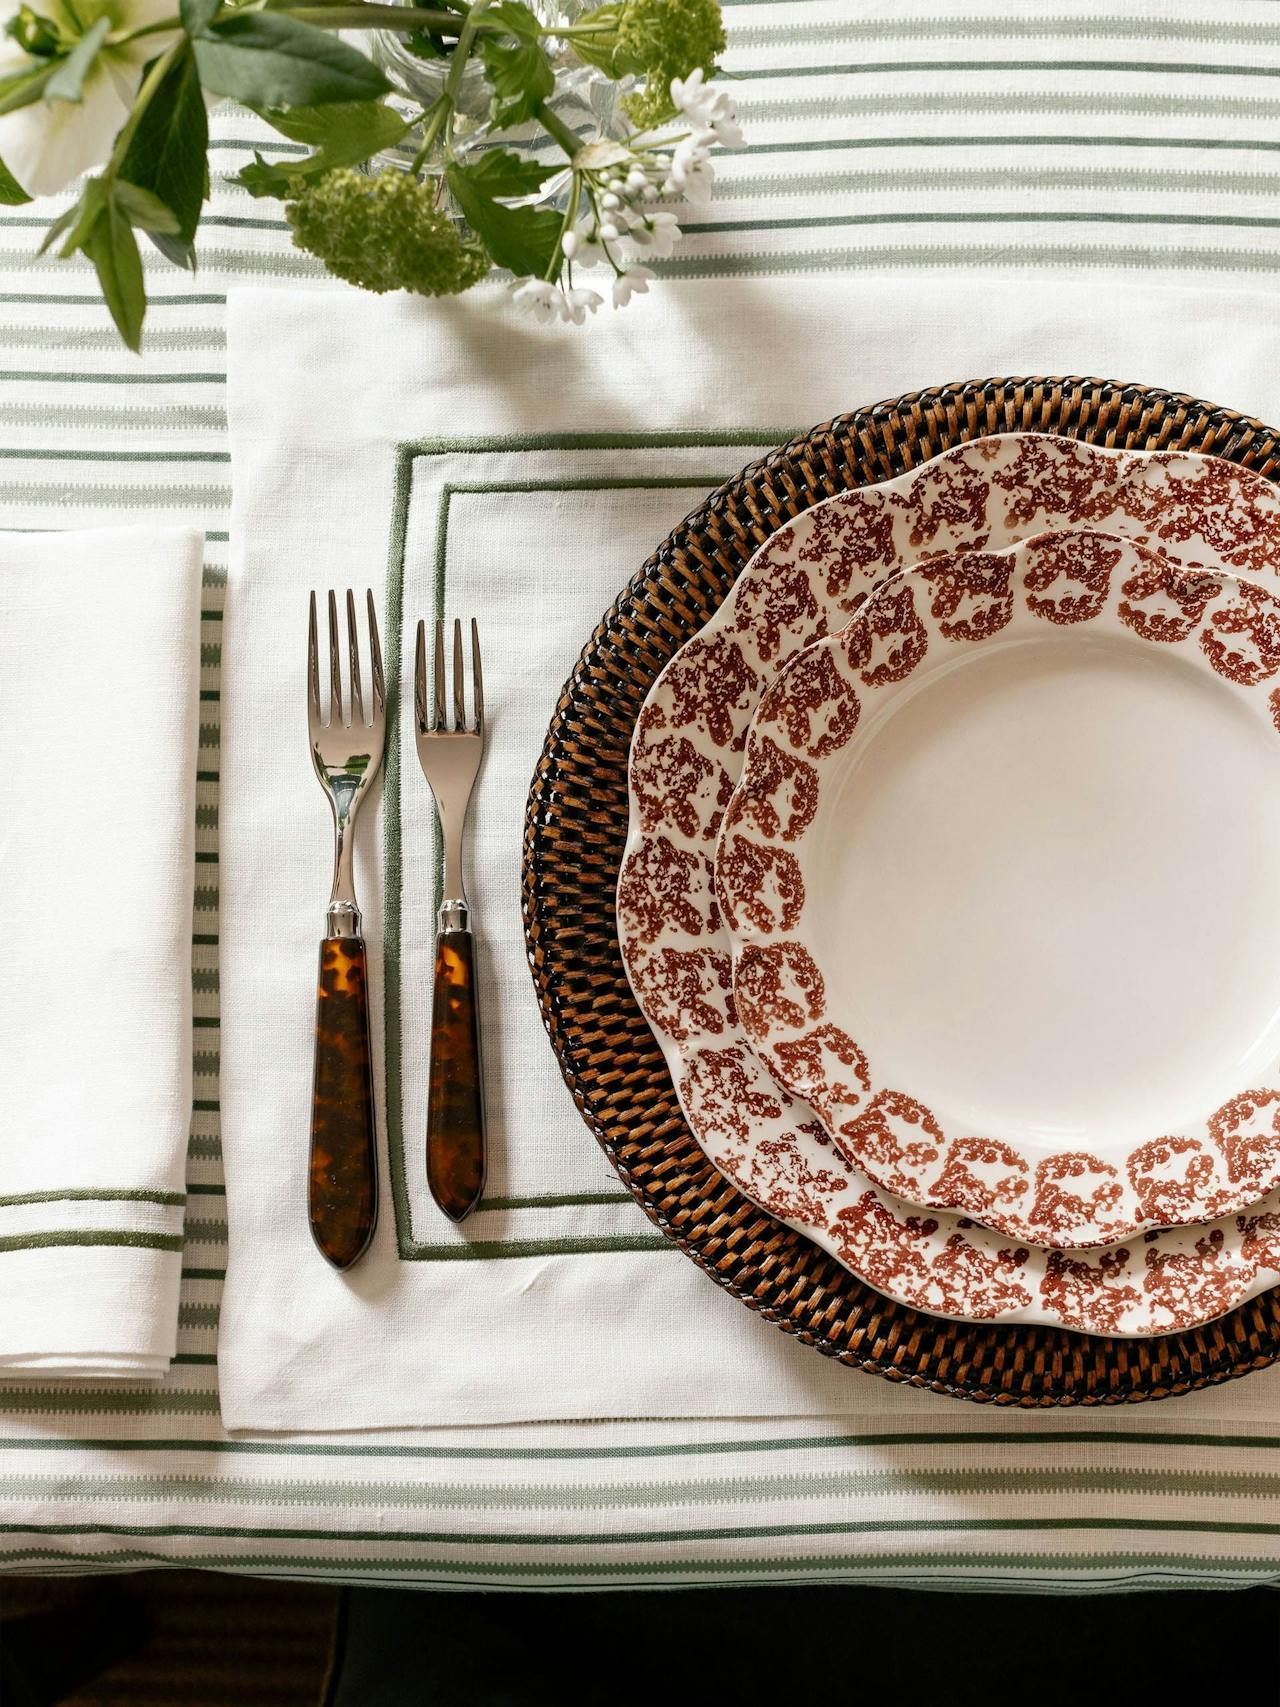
[(120, 37), (566, 224), (443, 108), (556, 127), (364, 15), (438, 116)]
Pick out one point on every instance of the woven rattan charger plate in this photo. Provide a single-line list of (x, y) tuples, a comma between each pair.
[(575, 831)]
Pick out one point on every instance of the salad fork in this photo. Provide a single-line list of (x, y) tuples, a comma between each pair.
[(346, 751), (450, 760)]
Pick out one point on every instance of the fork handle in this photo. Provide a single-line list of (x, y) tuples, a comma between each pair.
[(455, 1099), (344, 1169)]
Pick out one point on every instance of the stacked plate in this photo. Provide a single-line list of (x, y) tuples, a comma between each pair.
[(950, 892)]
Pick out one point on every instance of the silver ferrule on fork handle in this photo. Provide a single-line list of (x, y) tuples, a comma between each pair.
[(455, 910), (342, 916), (453, 916)]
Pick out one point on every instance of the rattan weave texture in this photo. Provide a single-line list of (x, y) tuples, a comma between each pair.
[(576, 827)]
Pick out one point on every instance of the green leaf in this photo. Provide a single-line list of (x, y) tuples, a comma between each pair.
[(113, 249), (423, 45), (67, 82), (344, 134), (175, 249), (197, 15), (517, 68), (78, 221), (12, 193), (339, 125), (501, 172), (63, 223), (168, 150), (601, 48), (23, 87), (516, 17), (261, 178), (268, 59), (144, 210), (521, 238)]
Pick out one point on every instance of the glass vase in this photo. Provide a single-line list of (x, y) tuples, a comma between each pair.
[(585, 100)]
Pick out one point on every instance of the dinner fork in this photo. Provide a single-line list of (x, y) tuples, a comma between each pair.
[(346, 752), (450, 760)]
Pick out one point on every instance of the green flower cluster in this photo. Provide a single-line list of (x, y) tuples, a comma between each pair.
[(384, 233), (656, 40)]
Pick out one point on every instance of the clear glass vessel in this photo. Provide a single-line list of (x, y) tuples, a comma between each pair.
[(584, 99)]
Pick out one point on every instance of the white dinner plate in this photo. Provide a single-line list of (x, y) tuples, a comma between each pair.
[(966, 874)]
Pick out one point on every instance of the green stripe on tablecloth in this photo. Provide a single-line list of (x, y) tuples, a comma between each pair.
[(766, 1568), (384, 1534), (925, 67), (790, 1487), (1032, 1437), (96, 1194), (989, 103), (956, 26), (951, 257), (840, 144), (90, 1236), (963, 179)]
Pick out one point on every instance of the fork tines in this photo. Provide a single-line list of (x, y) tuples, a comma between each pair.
[(431, 709), (352, 713)]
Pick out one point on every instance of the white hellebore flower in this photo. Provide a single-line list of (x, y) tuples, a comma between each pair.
[(49, 143), (634, 282)]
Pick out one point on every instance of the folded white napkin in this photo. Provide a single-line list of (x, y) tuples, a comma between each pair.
[(520, 475), (99, 704)]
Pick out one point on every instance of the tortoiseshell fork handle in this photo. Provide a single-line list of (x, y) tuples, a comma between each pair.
[(344, 1167), (455, 1101)]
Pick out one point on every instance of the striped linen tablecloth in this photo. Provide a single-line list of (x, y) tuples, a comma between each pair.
[(892, 134)]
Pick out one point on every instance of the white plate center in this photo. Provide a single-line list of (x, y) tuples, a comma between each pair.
[(1050, 892)]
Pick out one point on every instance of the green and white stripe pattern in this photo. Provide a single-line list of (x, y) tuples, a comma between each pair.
[(886, 133)]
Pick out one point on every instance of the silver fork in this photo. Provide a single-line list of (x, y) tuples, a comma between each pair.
[(450, 759), (346, 752)]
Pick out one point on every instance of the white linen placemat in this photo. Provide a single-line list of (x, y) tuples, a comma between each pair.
[(465, 462), (99, 703)]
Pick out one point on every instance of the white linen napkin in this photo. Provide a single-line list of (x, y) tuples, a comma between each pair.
[(521, 475), (99, 707)]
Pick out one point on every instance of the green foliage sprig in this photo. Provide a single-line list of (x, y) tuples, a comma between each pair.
[(121, 88)]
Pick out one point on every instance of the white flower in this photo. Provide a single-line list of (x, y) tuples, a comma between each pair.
[(539, 297), (591, 251), (691, 171), (578, 303), (49, 143), (708, 110), (546, 301), (654, 236), (634, 282)]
